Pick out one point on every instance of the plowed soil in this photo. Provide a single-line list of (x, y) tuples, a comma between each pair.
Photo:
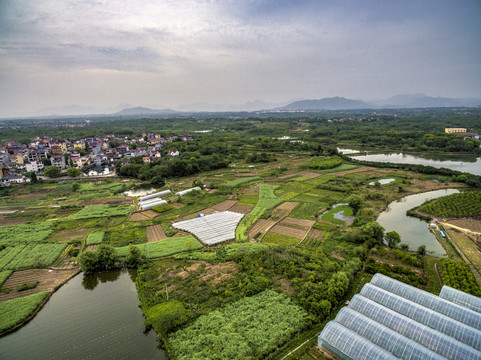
[(48, 279), (242, 209), (122, 200), (308, 174), (224, 205), (155, 233), (293, 227), (143, 215)]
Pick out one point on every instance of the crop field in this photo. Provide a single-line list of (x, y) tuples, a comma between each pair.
[(466, 204), (308, 210), (24, 256), (34, 232), (467, 223), (228, 333), (272, 238), (314, 238), (14, 311), (241, 181), (4, 276), (467, 246), (303, 174), (98, 211), (224, 205), (458, 275), (293, 227), (155, 233), (323, 162), (95, 238), (165, 247)]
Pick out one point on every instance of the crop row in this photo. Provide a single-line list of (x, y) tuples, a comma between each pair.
[(24, 256), (456, 205), (458, 275), (13, 312), (241, 181), (97, 211), (34, 232), (95, 238), (164, 247)]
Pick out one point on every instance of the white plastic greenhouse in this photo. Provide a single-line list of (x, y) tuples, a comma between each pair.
[(155, 195), (150, 204), (212, 229), (183, 192), (390, 319)]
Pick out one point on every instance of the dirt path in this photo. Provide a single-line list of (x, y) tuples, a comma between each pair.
[(155, 233), (446, 224)]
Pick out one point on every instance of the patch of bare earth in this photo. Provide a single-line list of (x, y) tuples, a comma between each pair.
[(155, 233), (242, 209), (308, 174), (143, 215), (91, 248), (284, 285), (5, 221), (250, 191), (66, 235), (315, 234), (473, 225), (177, 205), (213, 273), (48, 280), (111, 201), (295, 228), (224, 205)]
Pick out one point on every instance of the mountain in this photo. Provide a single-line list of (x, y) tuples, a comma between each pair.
[(335, 103), (143, 111)]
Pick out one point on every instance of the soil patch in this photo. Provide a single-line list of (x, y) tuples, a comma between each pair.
[(315, 234), (308, 174), (224, 205), (48, 280), (242, 209), (143, 215), (155, 233), (5, 221), (112, 201), (67, 235), (473, 225)]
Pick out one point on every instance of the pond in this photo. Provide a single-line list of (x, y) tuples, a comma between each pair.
[(413, 231), (382, 181), (90, 317), (467, 164)]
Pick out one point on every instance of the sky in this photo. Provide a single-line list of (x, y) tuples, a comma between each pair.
[(102, 55)]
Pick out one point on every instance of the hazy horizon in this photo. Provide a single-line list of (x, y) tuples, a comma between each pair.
[(163, 54)]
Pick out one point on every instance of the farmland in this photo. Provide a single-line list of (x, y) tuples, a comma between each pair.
[(12, 312)]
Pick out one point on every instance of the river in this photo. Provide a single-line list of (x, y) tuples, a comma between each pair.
[(469, 164), (413, 231), (90, 317)]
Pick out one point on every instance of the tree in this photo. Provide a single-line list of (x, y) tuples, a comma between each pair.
[(355, 201), (51, 171), (107, 257), (422, 250), (405, 247), (75, 186), (134, 257), (392, 238), (73, 172), (337, 285), (89, 262), (373, 234)]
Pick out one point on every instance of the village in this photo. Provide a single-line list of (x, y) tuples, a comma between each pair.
[(91, 156)]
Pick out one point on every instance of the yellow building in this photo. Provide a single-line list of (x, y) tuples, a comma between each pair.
[(17, 158), (455, 130)]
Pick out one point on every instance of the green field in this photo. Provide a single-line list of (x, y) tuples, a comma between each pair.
[(13, 312), (34, 232), (246, 329), (4, 276), (164, 247), (241, 181), (267, 201), (466, 204), (95, 238), (24, 256), (277, 239), (329, 215)]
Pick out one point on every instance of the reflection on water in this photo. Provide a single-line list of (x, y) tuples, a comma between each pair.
[(141, 190), (90, 282), (462, 163), (90, 317), (414, 232)]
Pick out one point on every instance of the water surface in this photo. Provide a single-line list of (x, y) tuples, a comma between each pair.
[(90, 317), (413, 231)]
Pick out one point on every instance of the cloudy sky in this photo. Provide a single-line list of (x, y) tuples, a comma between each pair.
[(168, 53)]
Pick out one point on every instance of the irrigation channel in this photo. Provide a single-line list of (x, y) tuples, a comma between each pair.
[(469, 164), (414, 232), (90, 317)]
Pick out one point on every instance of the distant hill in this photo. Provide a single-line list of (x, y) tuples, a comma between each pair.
[(335, 103), (143, 111)]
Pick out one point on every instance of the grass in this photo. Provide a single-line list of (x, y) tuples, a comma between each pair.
[(329, 216), (4, 276), (240, 181), (125, 234), (277, 239), (267, 201), (95, 238), (99, 211), (430, 264), (13, 312), (343, 167), (467, 247), (249, 200), (307, 210), (164, 247)]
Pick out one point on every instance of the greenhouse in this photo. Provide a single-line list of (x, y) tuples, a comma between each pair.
[(461, 298), (184, 192), (212, 229), (155, 195), (378, 323), (150, 204), (428, 300)]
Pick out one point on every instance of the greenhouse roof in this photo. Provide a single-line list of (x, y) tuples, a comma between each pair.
[(403, 321), (461, 298), (212, 229)]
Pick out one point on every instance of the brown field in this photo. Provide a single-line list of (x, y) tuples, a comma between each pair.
[(262, 226), (315, 234), (284, 209), (143, 215), (193, 215), (224, 205), (91, 248), (308, 174), (250, 191), (293, 227), (5, 221), (242, 209), (48, 279), (112, 201), (467, 246), (35, 195), (473, 225), (288, 231), (155, 233), (67, 235)]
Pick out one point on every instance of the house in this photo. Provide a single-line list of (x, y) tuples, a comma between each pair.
[(7, 180), (146, 160), (34, 166), (123, 149), (58, 161), (173, 153), (454, 130), (17, 158)]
